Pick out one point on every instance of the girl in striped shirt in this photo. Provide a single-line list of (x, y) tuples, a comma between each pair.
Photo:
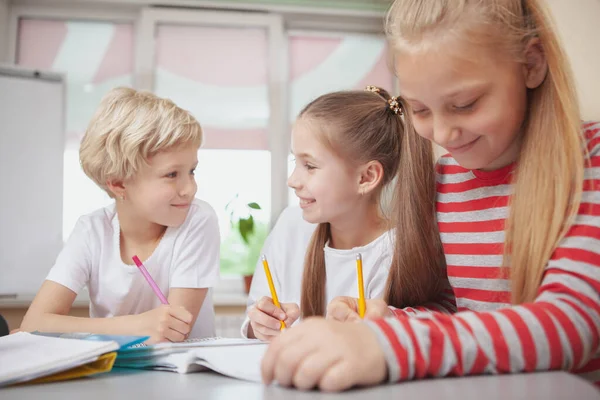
[(517, 207)]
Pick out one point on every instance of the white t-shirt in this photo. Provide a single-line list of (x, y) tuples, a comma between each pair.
[(285, 248), (186, 257)]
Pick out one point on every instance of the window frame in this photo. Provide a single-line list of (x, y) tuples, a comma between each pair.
[(279, 20), (277, 66)]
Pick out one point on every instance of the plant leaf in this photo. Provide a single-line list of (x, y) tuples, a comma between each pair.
[(246, 228), (254, 206)]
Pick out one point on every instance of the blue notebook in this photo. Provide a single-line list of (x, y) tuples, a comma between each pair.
[(123, 341)]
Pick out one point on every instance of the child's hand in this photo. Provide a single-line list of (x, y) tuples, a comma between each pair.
[(165, 323), (329, 355), (265, 318), (346, 309)]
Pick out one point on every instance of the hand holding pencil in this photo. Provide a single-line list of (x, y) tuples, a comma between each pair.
[(164, 323), (345, 308), (268, 317)]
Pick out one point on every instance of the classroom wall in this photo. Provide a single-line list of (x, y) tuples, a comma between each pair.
[(3, 30), (577, 23)]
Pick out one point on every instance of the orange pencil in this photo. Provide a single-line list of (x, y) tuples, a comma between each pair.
[(362, 306), (272, 288)]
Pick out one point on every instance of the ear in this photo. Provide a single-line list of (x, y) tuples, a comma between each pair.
[(117, 188), (371, 175), (536, 65)]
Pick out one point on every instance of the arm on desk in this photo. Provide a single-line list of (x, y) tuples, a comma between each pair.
[(190, 299), (49, 309)]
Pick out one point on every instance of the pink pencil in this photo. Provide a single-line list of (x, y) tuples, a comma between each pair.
[(151, 282)]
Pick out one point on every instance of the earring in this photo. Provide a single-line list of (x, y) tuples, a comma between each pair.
[(122, 197)]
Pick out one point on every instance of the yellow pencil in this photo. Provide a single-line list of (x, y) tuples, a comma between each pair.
[(362, 306), (272, 288)]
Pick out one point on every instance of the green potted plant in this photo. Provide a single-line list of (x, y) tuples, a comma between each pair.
[(241, 249)]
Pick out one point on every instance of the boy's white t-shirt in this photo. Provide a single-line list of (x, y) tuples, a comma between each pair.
[(186, 257), (285, 249)]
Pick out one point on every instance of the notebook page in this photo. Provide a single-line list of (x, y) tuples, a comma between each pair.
[(25, 356), (185, 343), (240, 362), (168, 347)]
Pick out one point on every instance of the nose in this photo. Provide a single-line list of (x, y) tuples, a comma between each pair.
[(444, 132), (189, 187), (294, 181)]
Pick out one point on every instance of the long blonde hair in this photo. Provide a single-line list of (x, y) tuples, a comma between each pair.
[(360, 127), (549, 176)]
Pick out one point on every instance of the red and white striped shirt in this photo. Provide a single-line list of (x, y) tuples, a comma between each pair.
[(559, 330)]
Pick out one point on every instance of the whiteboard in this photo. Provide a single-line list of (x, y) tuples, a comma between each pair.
[(32, 110)]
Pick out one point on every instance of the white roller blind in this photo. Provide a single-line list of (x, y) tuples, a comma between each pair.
[(31, 176)]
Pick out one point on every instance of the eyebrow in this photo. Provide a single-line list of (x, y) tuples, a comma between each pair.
[(176, 166), (302, 155), (466, 88)]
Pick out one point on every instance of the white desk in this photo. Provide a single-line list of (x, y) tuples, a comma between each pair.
[(133, 385)]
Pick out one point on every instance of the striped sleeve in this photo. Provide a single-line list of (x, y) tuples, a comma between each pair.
[(559, 330), (445, 304)]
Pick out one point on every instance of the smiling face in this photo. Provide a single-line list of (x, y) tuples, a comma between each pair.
[(162, 191), (328, 188), (473, 108)]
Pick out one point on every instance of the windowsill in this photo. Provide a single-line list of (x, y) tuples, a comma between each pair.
[(24, 300), (228, 292)]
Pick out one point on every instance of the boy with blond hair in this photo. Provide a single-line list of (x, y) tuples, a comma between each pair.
[(142, 150)]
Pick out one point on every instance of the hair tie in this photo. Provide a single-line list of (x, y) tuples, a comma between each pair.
[(395, 106), (392, 104)]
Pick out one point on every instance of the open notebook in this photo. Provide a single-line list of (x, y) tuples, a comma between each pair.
[(144, 350), (236, 358), (24, 357)]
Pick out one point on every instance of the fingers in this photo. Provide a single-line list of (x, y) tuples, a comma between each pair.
[(339, 376), (346, 309), (267, 366), (290, 359), (340, 312), (377, 308), (328, 354), (264, 326), (174, 336), (312, 367), (179, 326), (173, 323), (181, 314), (263, 333), (259, 317), (297, 358), (266, 305), (343, 309), (292, 312), (278, 344)]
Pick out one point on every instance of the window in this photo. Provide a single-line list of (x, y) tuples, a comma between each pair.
[(322, 63), (96, 57), (240, 74), (217, 66)]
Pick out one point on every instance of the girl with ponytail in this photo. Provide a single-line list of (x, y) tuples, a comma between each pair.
[(347, 148)]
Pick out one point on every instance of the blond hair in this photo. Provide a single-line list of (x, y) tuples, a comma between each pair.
[(549, 177), (127, 129), (360, 126)]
